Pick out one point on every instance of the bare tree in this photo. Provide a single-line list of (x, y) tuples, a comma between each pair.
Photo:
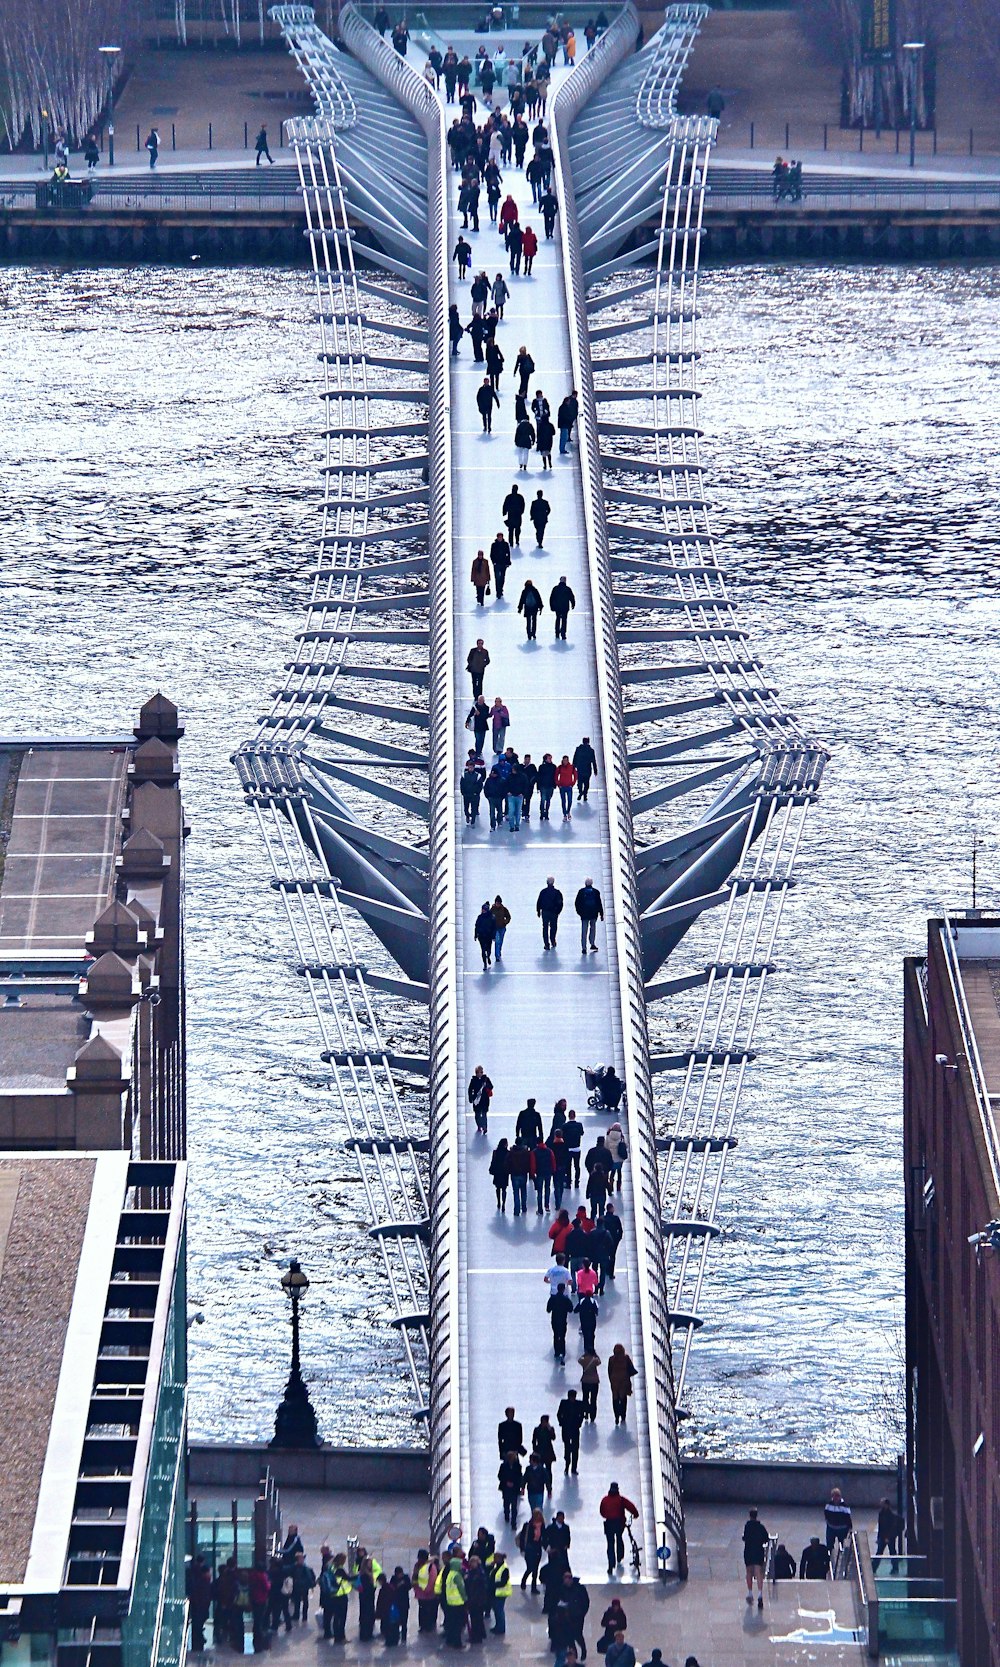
[(881, 93), (49, 61)]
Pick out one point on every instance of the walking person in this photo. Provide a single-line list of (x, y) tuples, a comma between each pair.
[(542, 1168), (524, 439), (303, 1581), (515, 244), (476, 663), (569, 1417), (500, 1173), (500, 719), (559, 1308), (531, 1544), (585, 765), (590, 908), (480, 577), (520, 1166), (501, 921), (500, 557), (500, 293), (524, 369), (456, 329), (546, 785), (540, 511), (462, 254), (513, 514), (572, 1134), (755, 1543), (544, 435), (530, 774), (566, 781), (495, 793), (543, 1443), (561, 599), (590, 1383), (838, 1520), (510, 1479), (548, 909), (529, 248), (91, 154), (515, 797), (614, 1228), (550, 208), (480, 1093), (587, 1312), (621, 1371), (530, 606), (478, 719), (616, 1512), (486, 398), (569, 410), (260, 146), (484, 933), (153, 146), (494, 365)]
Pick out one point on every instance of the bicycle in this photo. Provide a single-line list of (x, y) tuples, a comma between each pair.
[(635, 1550)]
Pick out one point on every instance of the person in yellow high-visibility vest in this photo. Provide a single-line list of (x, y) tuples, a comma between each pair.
[(453, 1600), (500, 1579)]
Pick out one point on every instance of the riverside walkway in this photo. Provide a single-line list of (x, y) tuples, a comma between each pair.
[(353, 773)]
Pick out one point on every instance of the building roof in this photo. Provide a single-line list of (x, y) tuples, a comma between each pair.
[(90, 858), (972, 954), (43, 1218), (89, 1247)]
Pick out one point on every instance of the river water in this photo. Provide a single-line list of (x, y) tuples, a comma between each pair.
[(159, 457)]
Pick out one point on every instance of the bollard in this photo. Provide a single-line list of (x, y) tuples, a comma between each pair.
[(751, 135), (246, 137), (861, 137), (824, 135), (787, 140), (897, 141), (209, 135), (138, 141), (934, 132), (281, 135), (173, 135), (970, 141)]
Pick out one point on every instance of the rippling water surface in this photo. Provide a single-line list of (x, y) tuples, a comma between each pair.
[(159, 457)]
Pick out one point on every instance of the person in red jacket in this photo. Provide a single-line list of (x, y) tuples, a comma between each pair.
[(529, 249), (566, 781), (616, 1510), (259, 1592), (559, 1232), (508, 215)]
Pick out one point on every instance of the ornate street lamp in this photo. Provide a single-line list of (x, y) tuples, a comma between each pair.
[(109, 54), (295, 1420)]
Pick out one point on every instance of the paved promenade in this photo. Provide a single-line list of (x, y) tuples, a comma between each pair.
[(706, 1616)]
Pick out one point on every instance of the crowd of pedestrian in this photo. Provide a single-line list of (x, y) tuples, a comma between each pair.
[(821, 1557)]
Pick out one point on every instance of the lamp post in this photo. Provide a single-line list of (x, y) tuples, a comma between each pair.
[(109, 54), (914, 48), (45, 140), (295, 1420)]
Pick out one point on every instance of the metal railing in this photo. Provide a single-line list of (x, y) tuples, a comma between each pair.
[(450, 1475), (299, 817), (658, 1387), (738, 855)]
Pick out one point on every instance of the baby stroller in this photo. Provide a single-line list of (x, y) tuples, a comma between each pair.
[(605, 1089)]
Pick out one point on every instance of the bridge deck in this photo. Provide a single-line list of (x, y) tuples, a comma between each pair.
[(532, 1019)]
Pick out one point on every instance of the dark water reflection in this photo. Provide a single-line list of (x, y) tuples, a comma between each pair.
[(159, 457)]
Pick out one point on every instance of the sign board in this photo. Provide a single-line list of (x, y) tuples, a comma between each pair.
[(878, 29)]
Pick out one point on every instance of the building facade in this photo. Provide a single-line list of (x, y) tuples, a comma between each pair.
[(952, 1157)]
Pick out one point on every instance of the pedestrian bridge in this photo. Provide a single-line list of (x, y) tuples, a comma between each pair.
[(692, 826)]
